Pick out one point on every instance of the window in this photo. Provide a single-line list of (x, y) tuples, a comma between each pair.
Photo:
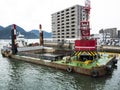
[(58, 16), (67, 36), (62, 18), (73, 22), (72, 11), (73, 8), (62, 36), (62, 21), (73, 29), (67, 23), (72, 25), (67, 9), (67, 13), (72, 18), (67, 19), (67, 33), (73, 15), (62, 24), (73, 36), (83, 14), (67, 26), (58, 13), (58, 28), (67, 16), (67, 29), (72, 32), (58, 19), (62, 11)]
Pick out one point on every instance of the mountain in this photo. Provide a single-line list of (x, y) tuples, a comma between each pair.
[(5, 33), (36, 32), (1, 28), (45, 34)]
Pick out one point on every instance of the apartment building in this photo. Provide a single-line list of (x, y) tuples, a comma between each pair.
[(66, 23)]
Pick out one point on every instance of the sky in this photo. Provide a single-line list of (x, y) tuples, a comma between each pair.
[(28, 14)]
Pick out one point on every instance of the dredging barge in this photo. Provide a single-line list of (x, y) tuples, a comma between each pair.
[(88, 62), (93, 65), (85, 59)]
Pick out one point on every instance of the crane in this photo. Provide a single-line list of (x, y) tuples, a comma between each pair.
[(85, 43), (85, 24)]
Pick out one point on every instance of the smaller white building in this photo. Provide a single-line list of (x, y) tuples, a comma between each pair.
[(105, 39)]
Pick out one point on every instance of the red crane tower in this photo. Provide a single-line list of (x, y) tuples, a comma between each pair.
[(85, 24), (85, 43)]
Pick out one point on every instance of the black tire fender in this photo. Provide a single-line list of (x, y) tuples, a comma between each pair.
[(94, 73), (109, 69), (69, 69), (115, 61)]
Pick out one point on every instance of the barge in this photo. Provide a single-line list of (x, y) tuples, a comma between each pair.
[(102, 65), (84, 59)]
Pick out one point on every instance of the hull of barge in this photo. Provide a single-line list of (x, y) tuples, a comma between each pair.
[(97, 67), (93, 71)]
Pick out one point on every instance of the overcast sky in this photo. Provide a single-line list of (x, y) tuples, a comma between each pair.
[(30, 13)]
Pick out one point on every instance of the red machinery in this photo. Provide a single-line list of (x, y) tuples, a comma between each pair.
[(85, 43)]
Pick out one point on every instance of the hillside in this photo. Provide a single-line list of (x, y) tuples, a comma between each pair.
[(45, 34), (1, 28), (5, 33)]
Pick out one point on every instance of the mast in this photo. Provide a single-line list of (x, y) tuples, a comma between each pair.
[(13, 39), (41, 35)]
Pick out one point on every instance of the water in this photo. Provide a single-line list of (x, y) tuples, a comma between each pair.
[(19, 75)]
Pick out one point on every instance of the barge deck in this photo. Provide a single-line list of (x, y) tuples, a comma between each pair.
[(98, 67)]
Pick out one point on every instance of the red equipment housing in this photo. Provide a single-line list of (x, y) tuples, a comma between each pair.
[(85, 45)]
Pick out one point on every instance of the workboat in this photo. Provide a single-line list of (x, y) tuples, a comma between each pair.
[(21, 42)]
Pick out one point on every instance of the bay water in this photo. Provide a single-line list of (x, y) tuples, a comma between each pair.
[(20, 75)]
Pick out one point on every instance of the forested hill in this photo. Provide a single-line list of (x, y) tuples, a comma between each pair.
[(5, 33)]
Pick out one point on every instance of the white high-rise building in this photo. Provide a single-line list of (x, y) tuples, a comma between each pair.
[(66, 23)]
